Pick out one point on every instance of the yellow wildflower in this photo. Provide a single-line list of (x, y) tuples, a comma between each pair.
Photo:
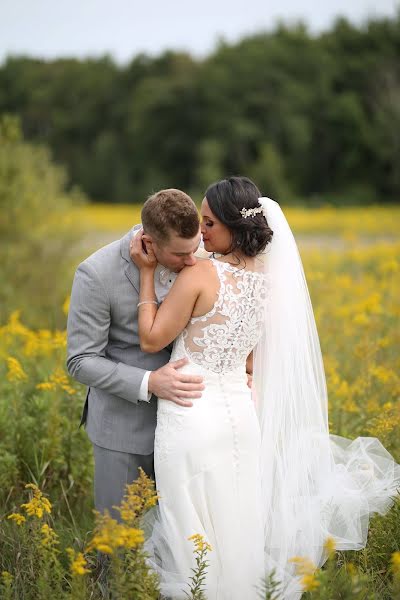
[(46, 386), (309, 582), (199, 543), (60, 339), (395, 563), (14, 325), (350, 406), (303, 565), (38, 505), (330, 546), (101, 547), (58, 380), (390, 266), (139, 497), (110, 535), (382, 373), (343, 390), (65, 306), (351, 569), (78, 562), (7, 579), (50, 538), (361, 319), (17, 518), (383, 342), (43, 342), (306, 568), (15, 371)]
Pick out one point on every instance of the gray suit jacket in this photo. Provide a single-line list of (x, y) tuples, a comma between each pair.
[(104, 351)]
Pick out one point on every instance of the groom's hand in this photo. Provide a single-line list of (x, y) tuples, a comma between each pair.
[(169, 384)]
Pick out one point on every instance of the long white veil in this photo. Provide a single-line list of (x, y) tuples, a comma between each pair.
[(314, 485)]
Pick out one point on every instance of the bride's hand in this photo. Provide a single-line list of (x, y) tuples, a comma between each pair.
[(143, 258)]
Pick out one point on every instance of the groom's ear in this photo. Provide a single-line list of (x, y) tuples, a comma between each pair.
[(147, 242)]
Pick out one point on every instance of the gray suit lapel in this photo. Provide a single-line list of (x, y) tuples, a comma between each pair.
[(131, 270)]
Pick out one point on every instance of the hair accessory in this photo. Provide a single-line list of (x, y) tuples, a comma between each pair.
[(250, 212)]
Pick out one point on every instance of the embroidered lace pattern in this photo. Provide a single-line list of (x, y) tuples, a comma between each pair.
[(222, 339), (168, 423)]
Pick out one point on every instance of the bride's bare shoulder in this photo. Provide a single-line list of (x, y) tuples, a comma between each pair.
[(201, 267)]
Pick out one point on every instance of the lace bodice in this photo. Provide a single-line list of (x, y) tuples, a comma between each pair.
[(222, 339)]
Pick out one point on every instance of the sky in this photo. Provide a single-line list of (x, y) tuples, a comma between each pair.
[(124, 28)]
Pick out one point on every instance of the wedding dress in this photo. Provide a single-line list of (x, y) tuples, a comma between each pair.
[(207, 456), (259, 477)]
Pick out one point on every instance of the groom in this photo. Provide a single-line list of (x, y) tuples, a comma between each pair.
[(104, 347)]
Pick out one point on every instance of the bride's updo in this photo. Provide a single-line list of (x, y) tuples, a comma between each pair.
[(226, 199)]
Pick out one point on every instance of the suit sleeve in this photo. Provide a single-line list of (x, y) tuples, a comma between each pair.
[(88, 329)]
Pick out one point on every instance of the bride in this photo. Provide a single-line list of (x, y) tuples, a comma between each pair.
[(255, 472)]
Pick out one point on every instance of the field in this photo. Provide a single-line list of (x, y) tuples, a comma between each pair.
[(352, 263)]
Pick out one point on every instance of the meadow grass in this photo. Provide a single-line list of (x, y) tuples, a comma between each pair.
[(376, 221)]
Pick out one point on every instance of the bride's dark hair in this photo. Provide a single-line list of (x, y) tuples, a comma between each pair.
[(226, 198)]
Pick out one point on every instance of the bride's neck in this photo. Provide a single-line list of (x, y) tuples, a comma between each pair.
[(236, 259)]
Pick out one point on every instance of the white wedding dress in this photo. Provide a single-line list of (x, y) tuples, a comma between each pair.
[(209, 473), (207, 456)]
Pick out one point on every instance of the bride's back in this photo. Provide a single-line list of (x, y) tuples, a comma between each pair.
[(221, 339)]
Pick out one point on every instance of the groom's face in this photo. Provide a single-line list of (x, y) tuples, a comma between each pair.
[(177, 252)]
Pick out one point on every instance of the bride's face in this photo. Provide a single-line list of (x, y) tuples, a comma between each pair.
[(216, 235)]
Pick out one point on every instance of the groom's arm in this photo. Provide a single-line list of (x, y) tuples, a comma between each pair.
[(88, 329)]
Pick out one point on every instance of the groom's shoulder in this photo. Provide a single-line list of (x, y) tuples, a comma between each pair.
[(104, 254)]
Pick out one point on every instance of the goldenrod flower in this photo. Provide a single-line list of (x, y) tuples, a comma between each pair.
[(309, 583), (390, 266), (395, 563), (330, 546), (17, 518), (65, 306), (50, 538), (199, 542), (14, 325), (15, 371), (7, 579), (46, 386), (110, 535), (139, 497), (38, 505), (306, 568), (361, 319), (60, 339), (351, 569), (78, 562), (58, 380)]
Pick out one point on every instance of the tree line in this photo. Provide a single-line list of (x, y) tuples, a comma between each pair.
[(308, 117)]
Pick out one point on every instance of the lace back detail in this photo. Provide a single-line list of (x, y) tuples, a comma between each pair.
[(222, 339)]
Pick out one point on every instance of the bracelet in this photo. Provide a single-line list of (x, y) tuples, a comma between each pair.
[(147, 302)]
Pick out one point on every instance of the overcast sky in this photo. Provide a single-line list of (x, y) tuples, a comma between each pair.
[(123, 28)]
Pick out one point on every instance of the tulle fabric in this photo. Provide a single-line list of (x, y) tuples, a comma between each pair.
[(314, 485)]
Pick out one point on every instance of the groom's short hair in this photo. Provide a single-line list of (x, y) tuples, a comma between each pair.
[(170, 211)]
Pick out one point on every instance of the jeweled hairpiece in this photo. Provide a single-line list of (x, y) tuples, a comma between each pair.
[(250, 212)]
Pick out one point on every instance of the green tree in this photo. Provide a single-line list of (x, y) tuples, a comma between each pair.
[(36, 231)]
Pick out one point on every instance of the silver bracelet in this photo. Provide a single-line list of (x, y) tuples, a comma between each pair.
[(147, 302)]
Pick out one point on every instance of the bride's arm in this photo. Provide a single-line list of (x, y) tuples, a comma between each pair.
[(249, 369), (158, 327)]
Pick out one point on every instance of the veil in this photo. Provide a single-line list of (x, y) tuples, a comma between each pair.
[(314, 485)]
